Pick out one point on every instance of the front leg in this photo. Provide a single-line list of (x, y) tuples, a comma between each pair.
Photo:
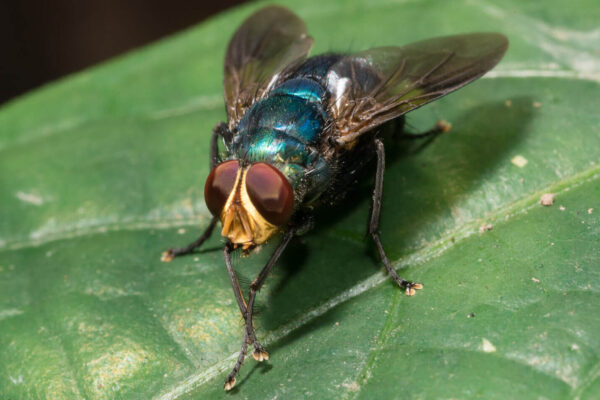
[(214, 159), (170, 254), (237, 290), (408, 286), (259, 354), (223, 131)]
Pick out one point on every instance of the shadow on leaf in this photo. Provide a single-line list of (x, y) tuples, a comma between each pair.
[(418, 190)]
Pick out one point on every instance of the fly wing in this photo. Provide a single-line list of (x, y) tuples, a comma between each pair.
[(376, 85), (270, 42)]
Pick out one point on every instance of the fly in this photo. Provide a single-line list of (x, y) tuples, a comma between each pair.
[(299, 129)]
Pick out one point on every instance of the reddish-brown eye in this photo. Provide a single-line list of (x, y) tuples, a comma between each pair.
[(219, 185), (270, 193)]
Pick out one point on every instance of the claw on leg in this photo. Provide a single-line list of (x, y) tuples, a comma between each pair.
[(229, 383), (443, 126), (410, 288), (260, 355), (167, 256)]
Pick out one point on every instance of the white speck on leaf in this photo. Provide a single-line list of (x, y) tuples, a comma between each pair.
[(351, 386), (487, 346), (9, 312), (519, 161), (29, 198)]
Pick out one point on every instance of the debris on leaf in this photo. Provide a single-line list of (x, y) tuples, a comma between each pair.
[(537, 104), (547, 199), (485, 227), (351, 386), (508, 103), (533, 278), (590, 210), (487, 346), (519, 161), (562, 208)]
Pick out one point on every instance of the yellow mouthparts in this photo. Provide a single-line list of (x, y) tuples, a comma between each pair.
[(242, 223)]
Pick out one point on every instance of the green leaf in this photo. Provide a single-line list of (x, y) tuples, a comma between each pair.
[(102, 171)]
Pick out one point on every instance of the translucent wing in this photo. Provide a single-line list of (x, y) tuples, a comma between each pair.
[(270, 42), (376, 85)]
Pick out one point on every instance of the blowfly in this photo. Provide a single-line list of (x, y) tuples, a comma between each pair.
[(299, 130)]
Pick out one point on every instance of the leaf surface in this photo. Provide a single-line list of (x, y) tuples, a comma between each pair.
[(102, 171)]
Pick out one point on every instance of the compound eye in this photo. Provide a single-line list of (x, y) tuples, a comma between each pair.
[(219, 185), (270, 192)]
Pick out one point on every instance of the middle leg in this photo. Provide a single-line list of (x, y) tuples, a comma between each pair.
[(259, 354), (168, 255)]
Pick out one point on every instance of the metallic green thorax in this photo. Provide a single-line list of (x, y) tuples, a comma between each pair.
[(284, 129)]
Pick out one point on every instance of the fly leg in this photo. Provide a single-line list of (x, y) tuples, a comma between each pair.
[(260, 354), (441, 127), (249, 335), (237, 290), (230, 381), (170, 254), (408, 286), (239, 297), (222, 130), (428, 136)]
